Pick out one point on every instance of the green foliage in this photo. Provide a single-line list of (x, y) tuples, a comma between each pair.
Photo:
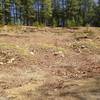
[(71, 23), (86, 34), (54, 23), (37, 24), (61, 12)]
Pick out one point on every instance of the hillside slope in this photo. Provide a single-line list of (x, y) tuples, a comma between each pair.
[(49, 63)]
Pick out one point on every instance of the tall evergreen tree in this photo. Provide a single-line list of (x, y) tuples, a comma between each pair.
[(97, 15), (50, 12), (72, 12), (87, 9), (46, 11)]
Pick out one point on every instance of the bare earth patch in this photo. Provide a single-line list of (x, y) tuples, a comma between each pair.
[(49, 63)]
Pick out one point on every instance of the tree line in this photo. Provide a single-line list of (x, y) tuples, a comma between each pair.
[(50, 12)]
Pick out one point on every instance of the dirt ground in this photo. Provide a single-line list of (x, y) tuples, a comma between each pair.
[(49, 63)]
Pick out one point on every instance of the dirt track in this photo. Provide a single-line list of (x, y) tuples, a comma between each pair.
[(49, 64)]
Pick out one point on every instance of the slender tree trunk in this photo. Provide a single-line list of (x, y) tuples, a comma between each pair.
[(3, 10)]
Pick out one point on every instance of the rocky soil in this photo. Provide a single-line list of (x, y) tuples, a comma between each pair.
[(49, 63)]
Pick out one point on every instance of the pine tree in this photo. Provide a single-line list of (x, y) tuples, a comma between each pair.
[(46, 11), (1, 12), (87, 9), (50, 12), (72, 11), (97, 15)]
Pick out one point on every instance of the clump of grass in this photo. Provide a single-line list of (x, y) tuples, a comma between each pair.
[(20, 50), (48, 46), (59, 33), (86, 46), (88, 31), (39, 25), (84, 35)]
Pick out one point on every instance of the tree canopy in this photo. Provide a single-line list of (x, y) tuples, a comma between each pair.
[(50, 12)]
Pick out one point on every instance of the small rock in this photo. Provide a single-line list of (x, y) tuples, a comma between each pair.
[(59, 53), (11, 60), (83, 46), (32, 53), (1, 63)]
